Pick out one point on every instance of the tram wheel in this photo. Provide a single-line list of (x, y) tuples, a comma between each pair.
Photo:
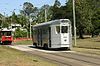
[(35, 44), (45, 46)]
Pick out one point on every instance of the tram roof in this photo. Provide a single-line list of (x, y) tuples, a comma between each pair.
[(5, 29), (50, 22)]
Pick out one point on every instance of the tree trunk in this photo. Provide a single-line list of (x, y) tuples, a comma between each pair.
[(81, 34), (92, 34)]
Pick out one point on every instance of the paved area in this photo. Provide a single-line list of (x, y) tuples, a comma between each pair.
[(31, 48)]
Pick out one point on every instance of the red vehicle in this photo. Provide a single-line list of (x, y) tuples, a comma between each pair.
[(6, 36)]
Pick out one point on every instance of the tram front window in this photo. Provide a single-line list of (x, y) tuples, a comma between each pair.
[(4, 33), (64, 29), (9, 33)]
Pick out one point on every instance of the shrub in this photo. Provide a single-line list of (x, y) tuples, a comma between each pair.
[(20, 33)]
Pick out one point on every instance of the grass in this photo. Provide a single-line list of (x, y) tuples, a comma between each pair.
[(88, 45), (91, 43), (23, 42), (12, 57), (87, 51)]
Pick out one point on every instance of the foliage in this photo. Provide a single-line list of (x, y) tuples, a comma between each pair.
[(14, 18), (57, 4), (28, 8), (20, 33), (41, 14), (85, 9), (22, 20), (56, 10), (95, 17)]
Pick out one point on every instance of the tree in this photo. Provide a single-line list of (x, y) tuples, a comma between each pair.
[(83, 17), (28, 8), (22, 20), (69, 10), (56, 11), (57, 4), (95, 17), (41, 13), (86, 17), (20, 33), (1, 20), (86, 10), (14, 18)]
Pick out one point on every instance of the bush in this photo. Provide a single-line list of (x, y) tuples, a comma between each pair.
[(20, 33)]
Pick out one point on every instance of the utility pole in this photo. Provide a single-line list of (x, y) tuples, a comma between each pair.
[(30, 29), (45, 14), (74, 22), (30, 20)]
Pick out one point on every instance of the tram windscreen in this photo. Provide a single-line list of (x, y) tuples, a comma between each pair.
[(64, 29), (6, 33)]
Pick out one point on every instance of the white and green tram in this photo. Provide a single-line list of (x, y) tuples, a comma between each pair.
[(53, 34)]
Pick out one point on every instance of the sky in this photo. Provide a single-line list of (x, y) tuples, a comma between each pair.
[(8, 6)]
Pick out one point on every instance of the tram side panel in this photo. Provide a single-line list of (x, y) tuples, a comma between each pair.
[(55, 37), (41, 37), (35, 36), (45, 37)]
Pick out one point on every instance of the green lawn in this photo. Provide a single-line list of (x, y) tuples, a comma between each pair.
[(93, 43), (12, 57), (87, 51), (23, 42), (88, 45)]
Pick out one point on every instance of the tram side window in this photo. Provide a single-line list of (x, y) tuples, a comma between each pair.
[(64, 29), (45, 30), (58, 29), (35, 32)]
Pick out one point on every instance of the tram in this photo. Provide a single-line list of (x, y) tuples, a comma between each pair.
[(53, 34), (6, 36)]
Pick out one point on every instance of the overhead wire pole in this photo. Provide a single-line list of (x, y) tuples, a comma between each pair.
[(45, 15), (74, 22), (27, 26), (30, 20)]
